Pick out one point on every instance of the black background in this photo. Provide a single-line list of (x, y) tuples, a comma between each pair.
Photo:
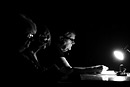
[(98, 33)]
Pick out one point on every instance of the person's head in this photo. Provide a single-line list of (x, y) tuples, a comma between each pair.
[(21, 30), (42, 39), (44, 35), (67, 40), (26, 34)]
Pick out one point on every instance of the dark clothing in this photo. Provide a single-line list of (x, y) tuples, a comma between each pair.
[(50, 56), (22, 69), (50, 59), (19, 70)]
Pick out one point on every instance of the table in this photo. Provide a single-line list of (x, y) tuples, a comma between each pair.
[(105, 77), (109, 79)]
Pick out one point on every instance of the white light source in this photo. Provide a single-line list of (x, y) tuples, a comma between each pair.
[(119, 55)]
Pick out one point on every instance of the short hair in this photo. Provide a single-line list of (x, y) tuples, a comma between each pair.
[(67, 35)]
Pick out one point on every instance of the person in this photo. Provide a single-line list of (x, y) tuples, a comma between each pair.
[(40, 42), (26, 40), (52, 58), (55, 59), (21, 30)]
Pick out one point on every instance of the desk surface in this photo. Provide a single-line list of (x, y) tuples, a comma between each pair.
[(99, 80), (105, 77)]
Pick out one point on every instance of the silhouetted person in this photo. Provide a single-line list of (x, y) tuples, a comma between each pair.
[(21, 64), (39, 42), (21, 30)]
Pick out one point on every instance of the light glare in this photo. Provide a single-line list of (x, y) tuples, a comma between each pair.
[(119, 55)]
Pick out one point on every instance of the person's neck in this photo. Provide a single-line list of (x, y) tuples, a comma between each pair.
[(38, 48), (64, 50)]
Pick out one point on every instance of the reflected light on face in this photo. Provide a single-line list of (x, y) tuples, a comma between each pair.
[(68, 41), (68, 45)]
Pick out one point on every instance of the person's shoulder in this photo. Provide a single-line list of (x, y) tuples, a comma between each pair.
[(55, 49), (53, 46)]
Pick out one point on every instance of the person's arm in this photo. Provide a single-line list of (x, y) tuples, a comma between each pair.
[(66, 63), (91, 69), (64, 66), (67, 68)]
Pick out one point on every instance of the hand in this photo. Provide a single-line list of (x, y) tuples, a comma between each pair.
[(105, 68)]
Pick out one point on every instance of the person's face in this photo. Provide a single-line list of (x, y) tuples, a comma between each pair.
[(44, 38), (68, 43), (41, 40)]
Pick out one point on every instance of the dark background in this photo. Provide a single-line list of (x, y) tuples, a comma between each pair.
[(97, 34)]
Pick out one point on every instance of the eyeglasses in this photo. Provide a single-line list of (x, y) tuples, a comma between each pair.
[(72, 40), (30, 35)]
